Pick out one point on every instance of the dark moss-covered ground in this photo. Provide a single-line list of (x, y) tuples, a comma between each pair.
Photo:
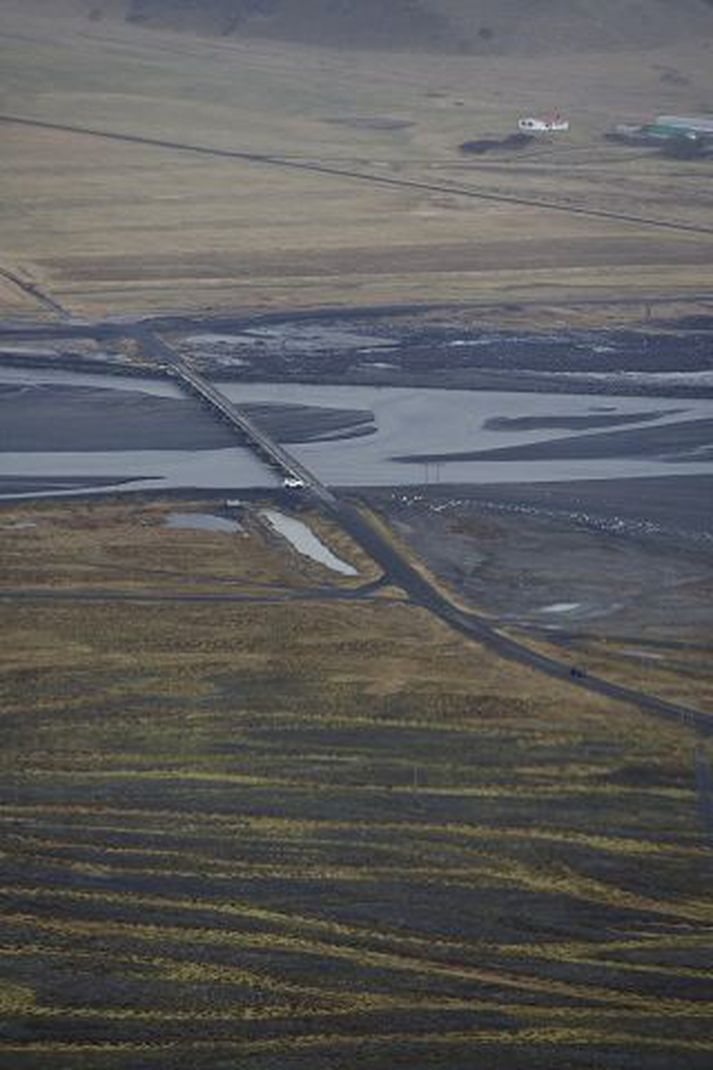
[(323, 834)]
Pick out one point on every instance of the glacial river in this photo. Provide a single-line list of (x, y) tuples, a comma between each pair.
[(414, 433)]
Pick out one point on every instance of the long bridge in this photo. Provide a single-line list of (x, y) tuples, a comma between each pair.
[(236, 416)]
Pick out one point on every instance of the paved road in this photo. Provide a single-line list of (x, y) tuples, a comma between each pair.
[(74, 594), (394, 564), (31, 289), (270, 160)]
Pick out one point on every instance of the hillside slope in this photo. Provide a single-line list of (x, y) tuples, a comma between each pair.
[(465, 26)]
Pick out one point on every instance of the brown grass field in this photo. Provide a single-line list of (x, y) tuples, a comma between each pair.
[(109, 227), (129, 546), (322, 834)]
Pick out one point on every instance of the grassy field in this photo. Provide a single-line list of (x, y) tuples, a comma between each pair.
[(112, 227), (115, 546), (323, 834)]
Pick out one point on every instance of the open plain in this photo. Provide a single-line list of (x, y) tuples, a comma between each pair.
[(361, 196)]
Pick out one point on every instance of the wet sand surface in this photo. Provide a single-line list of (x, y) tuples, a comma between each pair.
[(46, 417), (29, 485), (692, 440), (51, 417)]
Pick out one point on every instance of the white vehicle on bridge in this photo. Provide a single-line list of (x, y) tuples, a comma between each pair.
[(293, 483)]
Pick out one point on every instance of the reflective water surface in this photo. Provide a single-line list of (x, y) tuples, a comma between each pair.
[(417, 432)]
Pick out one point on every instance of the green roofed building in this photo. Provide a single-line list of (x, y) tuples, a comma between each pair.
[(679, 134)]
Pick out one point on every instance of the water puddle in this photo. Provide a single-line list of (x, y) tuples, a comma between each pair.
[(306, 542), (561, 607)]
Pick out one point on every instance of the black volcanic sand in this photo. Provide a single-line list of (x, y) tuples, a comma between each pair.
[(678, 507), (55, 418), (596, 362), (635, 555), (689, 440), (14, 485), (306, 423), (573, 423)]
